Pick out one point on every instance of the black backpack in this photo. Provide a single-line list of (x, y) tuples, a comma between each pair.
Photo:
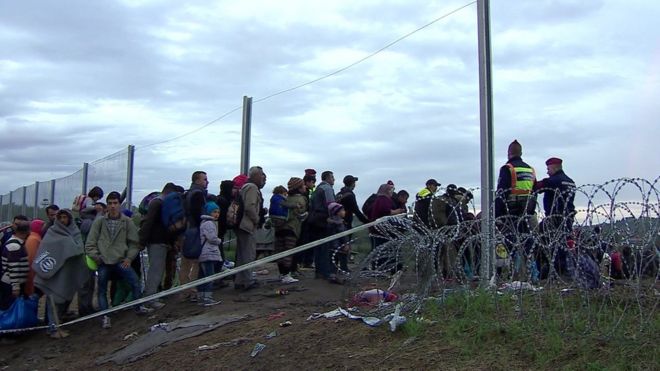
[(368, 205)]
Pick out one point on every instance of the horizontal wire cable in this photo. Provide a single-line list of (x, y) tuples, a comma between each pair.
[(336, 72)]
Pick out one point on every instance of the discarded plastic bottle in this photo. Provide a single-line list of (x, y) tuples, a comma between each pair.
[(281, 292)]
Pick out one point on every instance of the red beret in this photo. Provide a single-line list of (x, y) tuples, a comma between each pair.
[(553, 161), (240, 180), (311, 172)]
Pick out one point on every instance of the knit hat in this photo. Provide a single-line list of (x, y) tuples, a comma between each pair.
[(311, 172), (553, 161), (210, 207), (294, 183), (333, 208), (240, 180)]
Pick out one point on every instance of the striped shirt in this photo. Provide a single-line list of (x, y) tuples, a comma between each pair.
[(15, 267)]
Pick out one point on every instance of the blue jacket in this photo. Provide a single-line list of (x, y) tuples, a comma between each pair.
[(559, 194)]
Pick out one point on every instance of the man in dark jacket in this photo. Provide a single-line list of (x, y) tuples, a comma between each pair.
[(423, 201), (158, 241), (515, 185), (346, 197)]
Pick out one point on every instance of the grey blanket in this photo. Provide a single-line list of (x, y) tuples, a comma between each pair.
[(59, 265)]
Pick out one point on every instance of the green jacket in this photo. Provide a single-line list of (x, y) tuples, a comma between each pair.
[(297, 206), (125, 245)]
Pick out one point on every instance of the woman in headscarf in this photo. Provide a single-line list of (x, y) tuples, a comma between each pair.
[(60, 268)]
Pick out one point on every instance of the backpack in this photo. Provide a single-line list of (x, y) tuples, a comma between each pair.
[(78, 203), (368, 204), (192, 243), (143, 208), (172, 213), (235, 212)]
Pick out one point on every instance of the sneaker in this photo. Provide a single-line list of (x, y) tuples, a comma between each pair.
[(288, 279), (142, 309), (61, 334), (156, 304), (105, 322), (209, 302)]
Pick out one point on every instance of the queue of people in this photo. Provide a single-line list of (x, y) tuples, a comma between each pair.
[(97, 247)]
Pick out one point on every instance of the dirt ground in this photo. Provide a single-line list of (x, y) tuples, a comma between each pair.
[(306, 344)]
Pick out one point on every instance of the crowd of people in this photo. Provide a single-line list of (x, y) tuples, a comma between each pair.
[(94, 244)]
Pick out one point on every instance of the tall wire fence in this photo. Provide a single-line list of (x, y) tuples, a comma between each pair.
[(111, 173)]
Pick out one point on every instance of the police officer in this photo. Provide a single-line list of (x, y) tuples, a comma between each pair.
[(559, 191), (515, 185), (558, 195)]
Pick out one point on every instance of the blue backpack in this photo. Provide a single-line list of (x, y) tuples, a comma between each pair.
[(172, 213), (143, 208)]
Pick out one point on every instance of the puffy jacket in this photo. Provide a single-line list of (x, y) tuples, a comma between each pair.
[(208, 233)]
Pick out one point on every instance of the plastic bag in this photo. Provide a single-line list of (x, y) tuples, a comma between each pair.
[(21, 314)]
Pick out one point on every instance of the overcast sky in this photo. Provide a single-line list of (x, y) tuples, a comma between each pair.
[(80, 80)]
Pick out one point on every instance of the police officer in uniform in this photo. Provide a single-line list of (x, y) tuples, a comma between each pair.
[(515, 203)]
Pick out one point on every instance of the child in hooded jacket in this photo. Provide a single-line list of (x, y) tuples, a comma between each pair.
[(339, 247), (210, 255)]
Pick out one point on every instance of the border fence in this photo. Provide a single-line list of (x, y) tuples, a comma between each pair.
[(111, 173)]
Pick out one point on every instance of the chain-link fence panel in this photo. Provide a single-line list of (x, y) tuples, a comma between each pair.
[(30, 197), (109, 173), (67, 188), (16, 207), (43, 199), (4, 208)]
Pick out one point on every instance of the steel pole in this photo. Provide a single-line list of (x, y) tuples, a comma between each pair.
[(246, 134), (486, 121)]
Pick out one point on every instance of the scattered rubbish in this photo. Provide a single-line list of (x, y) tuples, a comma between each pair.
[(286, 324), (131, 335), (163, 334), (338, 320), (426, 321), (281, 292), (371, 321), (395, 319), (257, 348), (234, 342), (409, 340), (162, 325), (272, 335), (276, 316), (373, 297), (228, 264), (517, 285), (209, 347), (565, 291), (330, 314)]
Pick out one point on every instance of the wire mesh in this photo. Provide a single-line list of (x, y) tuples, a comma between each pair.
[(67, 188), (109, 173)]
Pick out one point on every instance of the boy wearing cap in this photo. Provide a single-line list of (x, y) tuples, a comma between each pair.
[(423, 201)]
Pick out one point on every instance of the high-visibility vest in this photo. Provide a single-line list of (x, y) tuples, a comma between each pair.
[(522, 180)]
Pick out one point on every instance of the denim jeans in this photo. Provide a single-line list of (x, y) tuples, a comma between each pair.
[(127, 274), (206, 268)]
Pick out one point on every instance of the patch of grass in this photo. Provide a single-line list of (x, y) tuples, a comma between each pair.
[(545, 330)]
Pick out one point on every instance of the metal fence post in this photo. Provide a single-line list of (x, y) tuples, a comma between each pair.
[(35, 212), (23, 202), (246, 136), (52, 192), (84, 178), (486, 120), (2, 209), (129, 176)]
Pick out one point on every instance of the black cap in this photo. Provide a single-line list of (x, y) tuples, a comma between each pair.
[(432, 182), (350, 179)]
